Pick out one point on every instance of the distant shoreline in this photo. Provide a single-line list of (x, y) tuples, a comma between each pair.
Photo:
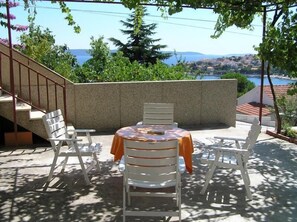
[(82, 55), (256, 79), (281, 76)]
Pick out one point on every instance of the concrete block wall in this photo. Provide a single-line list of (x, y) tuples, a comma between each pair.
[(109, 106)]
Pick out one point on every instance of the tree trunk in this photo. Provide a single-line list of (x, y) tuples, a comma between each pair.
[(276, 109)]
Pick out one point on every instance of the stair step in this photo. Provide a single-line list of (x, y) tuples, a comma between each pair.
[(23, 107), (70, 126), (36, 114), (70, 129), (6, 98)]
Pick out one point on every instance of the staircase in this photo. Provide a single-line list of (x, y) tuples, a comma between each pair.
[(26, 117), (37, 90)]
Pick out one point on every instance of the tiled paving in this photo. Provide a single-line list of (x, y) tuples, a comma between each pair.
[(272, 168)]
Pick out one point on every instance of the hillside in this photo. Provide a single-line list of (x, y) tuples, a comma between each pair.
[(245, 64)]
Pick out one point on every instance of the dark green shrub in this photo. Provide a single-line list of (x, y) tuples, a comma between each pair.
[(243, 84)]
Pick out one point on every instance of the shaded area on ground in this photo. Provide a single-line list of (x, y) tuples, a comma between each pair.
[(272, 168)]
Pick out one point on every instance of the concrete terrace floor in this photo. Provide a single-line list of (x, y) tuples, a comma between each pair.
[(272, 168)]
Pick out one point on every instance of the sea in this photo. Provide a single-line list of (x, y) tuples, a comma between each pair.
[(82, 56), (256, 79)]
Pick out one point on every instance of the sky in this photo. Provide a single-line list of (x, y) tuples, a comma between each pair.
[(189, 30)]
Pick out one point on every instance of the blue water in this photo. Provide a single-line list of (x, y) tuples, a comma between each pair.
[(82, 56), (82, 59), (257, 80), (188, 57)]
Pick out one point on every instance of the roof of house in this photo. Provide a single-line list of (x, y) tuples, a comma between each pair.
[(278, 89), (252, 108)]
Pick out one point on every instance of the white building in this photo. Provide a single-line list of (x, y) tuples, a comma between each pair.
[(248, 105)]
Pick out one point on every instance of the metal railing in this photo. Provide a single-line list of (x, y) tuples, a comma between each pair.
[(32, 87)]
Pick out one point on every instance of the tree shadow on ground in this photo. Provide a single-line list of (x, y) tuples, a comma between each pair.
[(272, 168), (66, 199), (273, 171)]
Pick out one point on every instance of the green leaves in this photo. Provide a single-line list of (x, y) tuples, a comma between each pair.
[(280, 45), (118, 68), (140, 47), (40, 45), (66, 10), (243, 84)]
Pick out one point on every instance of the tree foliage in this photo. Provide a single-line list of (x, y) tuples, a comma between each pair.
[(104, 67), (93, 68), (40, 45), (31, 13), (3, 21), (288, 108), (141, 47), (121, 69), (243, 83), (279, 48)]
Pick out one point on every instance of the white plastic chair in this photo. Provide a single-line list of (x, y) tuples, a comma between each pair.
[(236, 157), (158, 114), (151, 165), (59, 136)]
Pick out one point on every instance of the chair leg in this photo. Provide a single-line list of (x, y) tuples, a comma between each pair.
[(84, 170), (64, 163), (208, 177), (124, 203), (247, 175), (210, 172), (82, 165), (129, 196), (97, 161), (179, 203), (53, 166), (246, 184), (245, 178)]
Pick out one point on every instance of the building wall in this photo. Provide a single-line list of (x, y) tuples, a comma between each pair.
[(254, 96)]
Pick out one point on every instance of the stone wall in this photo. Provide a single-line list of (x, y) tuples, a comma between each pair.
[(106, 106)]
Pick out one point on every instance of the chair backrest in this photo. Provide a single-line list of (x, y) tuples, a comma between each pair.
[(158, 113), (55, 126), (151, 162), (252, 135)]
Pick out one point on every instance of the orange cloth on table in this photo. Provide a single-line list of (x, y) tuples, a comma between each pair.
[(185, 149)]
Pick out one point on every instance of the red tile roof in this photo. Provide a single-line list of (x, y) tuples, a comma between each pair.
[(252, 108), (278, 89)]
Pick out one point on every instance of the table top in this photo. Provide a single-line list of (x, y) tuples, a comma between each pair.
[(152, 132)]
